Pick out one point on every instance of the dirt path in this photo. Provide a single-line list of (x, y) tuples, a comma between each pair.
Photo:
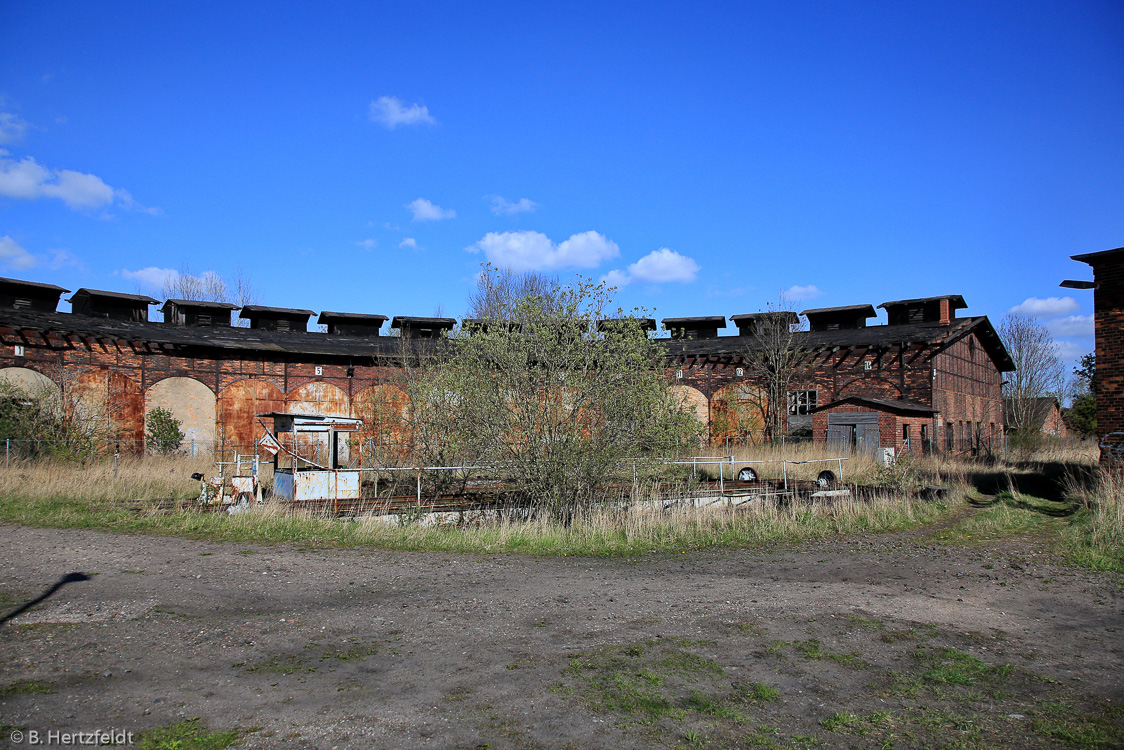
[(359, 648)]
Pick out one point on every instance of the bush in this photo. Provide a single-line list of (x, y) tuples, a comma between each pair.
[(164, 435)]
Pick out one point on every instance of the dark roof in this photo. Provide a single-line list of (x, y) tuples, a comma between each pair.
[(904, 408), (36, 284), (868, 309), (192, 338), (422, 322), (200, 303), (115, 295), (955, 299), (704, 321), (360, 318), (1091, 258), (787, 315), (252, 339), (646, 324), (251, 311), (931, 333)]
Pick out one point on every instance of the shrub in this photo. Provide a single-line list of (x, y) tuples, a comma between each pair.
[(164, 434)]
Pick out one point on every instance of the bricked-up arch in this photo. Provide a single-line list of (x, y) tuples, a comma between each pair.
[(189, 401), (736, 411), (383, 409), (31, 382), (319, 398), (119, 398), (324, 399), (693, 400), (237, 404)]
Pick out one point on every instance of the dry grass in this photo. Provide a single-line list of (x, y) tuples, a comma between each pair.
[(1097, 539), (69, 495), (147, 477)]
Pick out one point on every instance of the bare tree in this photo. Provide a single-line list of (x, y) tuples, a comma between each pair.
[(210, 287), (497, 288), (207, 287), (772, 358), (1038, 371)]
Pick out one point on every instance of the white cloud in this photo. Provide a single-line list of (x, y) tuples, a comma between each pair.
[(503, 207), (616, 278), (534, 251), (27, 179), (14, 256), (657, 267), (367, 244), (663, 265), (1051, 307), (12, 127), (391, 112), (409, 242), (1071, 350), (423, 210), (61, 258), (151, 277), (799, 293), (1076, 326)]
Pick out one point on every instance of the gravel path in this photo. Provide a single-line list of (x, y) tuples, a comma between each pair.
[(361, 648)]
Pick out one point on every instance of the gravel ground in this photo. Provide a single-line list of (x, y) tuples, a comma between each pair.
[(373, 649)]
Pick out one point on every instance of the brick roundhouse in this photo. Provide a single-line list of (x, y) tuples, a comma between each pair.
[(926, 379)]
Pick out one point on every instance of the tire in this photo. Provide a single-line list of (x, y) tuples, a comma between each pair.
[(747, 475), (826, 479)]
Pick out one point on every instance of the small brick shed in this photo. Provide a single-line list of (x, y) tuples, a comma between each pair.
[(872, 424)]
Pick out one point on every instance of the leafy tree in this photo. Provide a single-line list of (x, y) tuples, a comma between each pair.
[(549, 387), (164, 434), (1081, 416)]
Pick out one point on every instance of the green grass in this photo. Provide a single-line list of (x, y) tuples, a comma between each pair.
[(950, 666), (596, 533), (188, 735), (1082, 730), (27, 687)]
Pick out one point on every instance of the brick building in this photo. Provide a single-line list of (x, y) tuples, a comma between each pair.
[(939, 376), (1108, 306), (934, 379)]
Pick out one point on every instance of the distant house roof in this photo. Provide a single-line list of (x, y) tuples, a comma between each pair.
[(1038, 411)]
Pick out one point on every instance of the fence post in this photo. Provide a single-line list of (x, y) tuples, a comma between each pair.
[(7, 452), (115, 454)]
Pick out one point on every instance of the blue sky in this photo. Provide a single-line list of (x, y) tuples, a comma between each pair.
[(367, 157)]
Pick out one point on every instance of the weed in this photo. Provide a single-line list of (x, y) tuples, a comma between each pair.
[(950, 666), (188, 735), (26, 687)]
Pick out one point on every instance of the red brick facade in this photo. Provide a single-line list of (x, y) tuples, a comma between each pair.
[(1108, 303), (951, 367)]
